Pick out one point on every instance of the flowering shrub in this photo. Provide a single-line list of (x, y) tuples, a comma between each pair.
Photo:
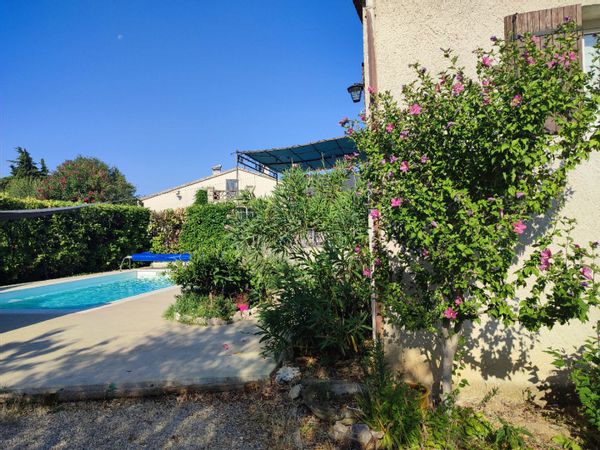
[(460, 171), (164, 230), (87, 180)]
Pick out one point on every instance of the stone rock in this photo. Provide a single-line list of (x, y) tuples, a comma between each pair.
[(377, 434), (287, 374), (177, 316), (341, 432), (362, 433), (295, 391)]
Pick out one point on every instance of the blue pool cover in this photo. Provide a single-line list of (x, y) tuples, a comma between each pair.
[(160, 257)]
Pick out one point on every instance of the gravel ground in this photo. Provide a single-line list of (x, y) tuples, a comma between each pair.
[(217, 421)]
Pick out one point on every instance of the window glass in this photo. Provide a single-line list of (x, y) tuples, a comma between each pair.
[(589, 40)]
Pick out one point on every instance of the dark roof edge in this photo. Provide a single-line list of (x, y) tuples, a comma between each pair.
[(250, 152)]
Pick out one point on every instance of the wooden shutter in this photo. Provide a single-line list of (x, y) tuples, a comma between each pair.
[(543, 23)]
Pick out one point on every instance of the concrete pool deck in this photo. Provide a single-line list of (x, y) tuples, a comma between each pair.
[(127, 349)]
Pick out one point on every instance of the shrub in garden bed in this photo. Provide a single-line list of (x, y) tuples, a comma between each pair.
[(91, 239), (306, 245), (189, 307), (165, 228)]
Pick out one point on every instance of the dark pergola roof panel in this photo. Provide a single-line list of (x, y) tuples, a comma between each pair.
[(313, 156)]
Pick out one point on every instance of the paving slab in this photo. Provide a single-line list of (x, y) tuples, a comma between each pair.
[(128, 348)]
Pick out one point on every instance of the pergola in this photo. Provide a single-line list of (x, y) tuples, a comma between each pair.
[(317, 155)]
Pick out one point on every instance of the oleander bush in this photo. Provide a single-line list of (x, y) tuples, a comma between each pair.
[(90, 239)]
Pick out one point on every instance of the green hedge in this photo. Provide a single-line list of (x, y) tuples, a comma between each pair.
[(165, 229), (91, 239), (205, 227)]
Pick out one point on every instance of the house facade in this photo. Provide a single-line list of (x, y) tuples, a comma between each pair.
[(397, 33), (220, 186)]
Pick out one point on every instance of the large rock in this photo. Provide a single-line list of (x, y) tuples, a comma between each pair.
[(287, 375), (295, 391)]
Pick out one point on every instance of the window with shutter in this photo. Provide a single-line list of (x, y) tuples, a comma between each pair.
[(543, 24)]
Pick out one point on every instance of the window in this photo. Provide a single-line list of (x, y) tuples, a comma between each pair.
[(231, 187), (589, 41)]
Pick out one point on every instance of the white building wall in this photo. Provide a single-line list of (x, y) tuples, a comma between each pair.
[(185, 195)]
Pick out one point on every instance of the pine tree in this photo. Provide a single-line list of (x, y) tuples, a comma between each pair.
[(23, 166), (43, 172)]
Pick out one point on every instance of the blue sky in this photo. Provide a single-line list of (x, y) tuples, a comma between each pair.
[(165, 89)]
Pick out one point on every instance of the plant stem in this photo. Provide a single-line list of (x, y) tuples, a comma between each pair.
[(451, 337)]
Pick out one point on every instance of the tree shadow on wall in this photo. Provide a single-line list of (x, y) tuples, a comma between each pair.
[(490, 349)]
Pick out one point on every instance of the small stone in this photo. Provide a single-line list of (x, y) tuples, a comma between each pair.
[(341, 432), (377, 434), (295, 391), (362, 433), (287, 374), (177, 316)]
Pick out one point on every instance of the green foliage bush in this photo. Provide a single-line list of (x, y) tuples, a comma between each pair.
[(584, 372), (22, 187), (201, 197), (205, 227), (164, 230), (212, 271), (87, 180), (91, 239), (391, 406), (306, 245), (191, 306)]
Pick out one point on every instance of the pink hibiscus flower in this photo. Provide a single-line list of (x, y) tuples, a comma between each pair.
[(367, 272), (404, 166), (457, 88), (374, 213), (545, 256), (516, 100), (424, 159), (396, 202), (389, 127), (586, 272), (344, 121), (450, 313), (415, 109), (519, 227), (486, 61)]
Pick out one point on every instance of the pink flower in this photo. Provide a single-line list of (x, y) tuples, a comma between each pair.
[(403, 134), (393, 159), (226, 347), (450, 313), (357, 249), (396, 202), (433, 224), (377, 262), (516, 100), (586, 272), (485, 82), (486, 61), (415, 109), (519, 227), (348, 157), (374, 213), (519, 194), (367, 272), (551, 64), (242, 306), (573, 56), (389, 127), (458, 88), (545, 256), (349, 131), (404, 166), (371, 90), (383, 161), (458, 300), (536, 39), (424, 159), (530, 60), (487, 100), (344, 121)]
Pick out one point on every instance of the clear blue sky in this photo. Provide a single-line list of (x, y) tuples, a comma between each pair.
[(165, 89)]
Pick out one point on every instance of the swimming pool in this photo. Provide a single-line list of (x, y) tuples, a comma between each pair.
[(83, 293)]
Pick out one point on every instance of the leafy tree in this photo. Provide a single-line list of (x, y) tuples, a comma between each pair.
[(87, 180), (457, 175)]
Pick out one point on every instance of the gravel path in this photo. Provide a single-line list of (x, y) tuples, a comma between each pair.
[(218, 421)]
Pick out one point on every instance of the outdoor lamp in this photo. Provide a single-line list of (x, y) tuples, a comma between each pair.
[(356, 91)]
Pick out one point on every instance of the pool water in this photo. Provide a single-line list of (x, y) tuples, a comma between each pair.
[(84, 293)]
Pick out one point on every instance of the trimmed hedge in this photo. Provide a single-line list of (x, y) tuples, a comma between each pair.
[(165, 228), (205, 227), (91, 239)]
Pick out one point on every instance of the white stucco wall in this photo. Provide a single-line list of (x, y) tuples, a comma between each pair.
[(184, 195), (414, 30)]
